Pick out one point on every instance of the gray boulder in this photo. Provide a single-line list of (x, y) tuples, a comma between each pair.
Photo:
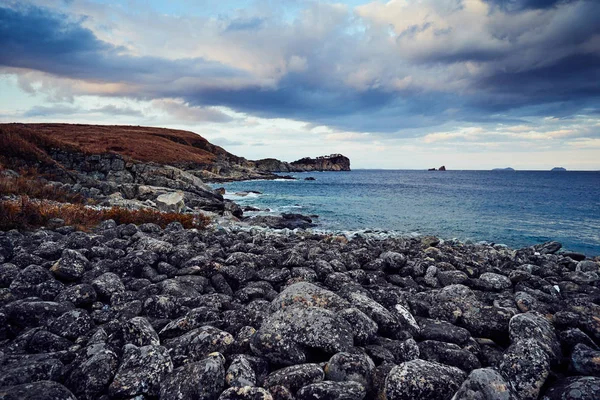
[(283, 336), (42, 390), (141, 372), (484, 384), (171, 202), (332, 390), (70, 266), (419, 379), (200, 380)]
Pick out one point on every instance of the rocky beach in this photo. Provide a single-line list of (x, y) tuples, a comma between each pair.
[(251, 313)]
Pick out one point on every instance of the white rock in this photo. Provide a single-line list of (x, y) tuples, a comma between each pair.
[(170, 202)]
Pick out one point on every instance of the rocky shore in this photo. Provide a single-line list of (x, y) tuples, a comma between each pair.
[(141, 312)]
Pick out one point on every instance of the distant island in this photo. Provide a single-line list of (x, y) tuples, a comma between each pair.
[(507, 169), (442, 168), (558, 169)]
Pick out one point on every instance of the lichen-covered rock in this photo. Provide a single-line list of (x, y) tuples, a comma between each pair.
[(29, 369), (484, 384), (355, 367), (585, 361), (492, 281), (198, 343), (332, 390), (525, 365), (70, 266), (487, 321), (93, 373), (81, 295), (532, 325), (443, 331), (108, 284), (192, 320), (200, 380), (574, 388), (26, 314), (295, 377), (42, 390), (141, 371), (246, 393), (309, 295), (47, 342), (419, 379), (363, 328), (448, 354), (25, 283), (72, 324), (240, 373), (282, 337)]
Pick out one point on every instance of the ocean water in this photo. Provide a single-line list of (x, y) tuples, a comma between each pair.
[(514, 208)]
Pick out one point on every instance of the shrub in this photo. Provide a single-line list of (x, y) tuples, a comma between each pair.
[(30, 214)]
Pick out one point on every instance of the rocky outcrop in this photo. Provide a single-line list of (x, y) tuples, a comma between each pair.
[(334, 162)]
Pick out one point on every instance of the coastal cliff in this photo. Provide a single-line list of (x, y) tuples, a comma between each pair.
[(138, 167)]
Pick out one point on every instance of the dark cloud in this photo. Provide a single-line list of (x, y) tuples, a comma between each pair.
[(525, 68), (520, 5), (245, 24), (37, 38)]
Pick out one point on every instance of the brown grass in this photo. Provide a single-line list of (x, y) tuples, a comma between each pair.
[(163, 146), (23, 186), (31, 214)]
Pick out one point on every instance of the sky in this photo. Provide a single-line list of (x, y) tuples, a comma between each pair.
[(404, 84)]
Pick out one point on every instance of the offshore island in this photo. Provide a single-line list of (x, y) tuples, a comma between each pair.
[(123, 274)]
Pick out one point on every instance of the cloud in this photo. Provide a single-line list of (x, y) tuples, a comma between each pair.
[(68, 110), (43, 111), (401, 69), (184, 113)]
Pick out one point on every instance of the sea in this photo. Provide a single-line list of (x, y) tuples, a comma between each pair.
[(517, 209)]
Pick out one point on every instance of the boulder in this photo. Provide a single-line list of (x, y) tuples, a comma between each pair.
[(200, 380), (295, 376), (42, 390), (577, 387), (332, 390), (70, 266), (484, 384), (245, 393), (355, 367), (171, 202), (141, 371), (419, 379), (285, 336)]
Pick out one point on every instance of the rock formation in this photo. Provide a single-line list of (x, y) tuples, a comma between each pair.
[(334, 162)]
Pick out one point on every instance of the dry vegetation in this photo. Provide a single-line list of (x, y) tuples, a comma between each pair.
[(25, 213), (164, 146), (23, 186)]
